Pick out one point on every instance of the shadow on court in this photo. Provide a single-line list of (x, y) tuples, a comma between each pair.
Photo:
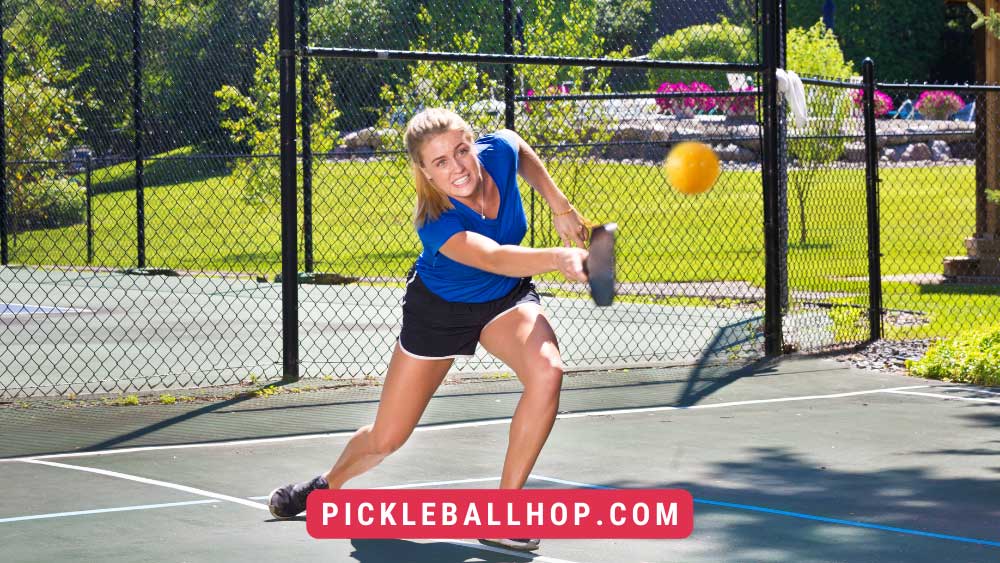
[(382, 551)]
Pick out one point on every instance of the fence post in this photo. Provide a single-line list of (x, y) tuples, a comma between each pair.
[(871, 201), (4, 249), (769, 177), (782, 178), (508, 69), (138, 119), (508, 99), (289, 253), (307, 155), (90, 223)]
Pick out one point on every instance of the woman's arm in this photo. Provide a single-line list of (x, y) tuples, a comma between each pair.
[(484, 253), (568, 222)]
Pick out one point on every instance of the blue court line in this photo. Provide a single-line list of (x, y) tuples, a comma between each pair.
[(801, 515)]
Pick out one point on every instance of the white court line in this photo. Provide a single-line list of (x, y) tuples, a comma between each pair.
[(218, 496), (452, 426), (212, 500), (565, 482), (105, 510), (738, 403), (946, 397), (137, 479)]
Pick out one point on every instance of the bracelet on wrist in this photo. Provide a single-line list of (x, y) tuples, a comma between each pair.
[(567, 212)]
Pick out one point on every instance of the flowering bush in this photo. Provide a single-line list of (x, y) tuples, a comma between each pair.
[(685, 106), (939, 104), (883, 103), (738, 106)]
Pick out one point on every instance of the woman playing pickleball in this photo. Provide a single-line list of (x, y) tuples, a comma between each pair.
[(470, 285)]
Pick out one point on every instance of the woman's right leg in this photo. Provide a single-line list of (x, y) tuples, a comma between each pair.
[(409, 385)]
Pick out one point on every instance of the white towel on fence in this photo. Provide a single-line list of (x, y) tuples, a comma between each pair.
[(790, 86)]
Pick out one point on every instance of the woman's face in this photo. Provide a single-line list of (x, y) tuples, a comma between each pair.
[(450, 164)]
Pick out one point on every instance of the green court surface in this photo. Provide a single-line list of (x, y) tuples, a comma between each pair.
[(803, 459)]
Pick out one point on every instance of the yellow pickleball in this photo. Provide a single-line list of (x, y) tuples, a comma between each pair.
[(692, 167)]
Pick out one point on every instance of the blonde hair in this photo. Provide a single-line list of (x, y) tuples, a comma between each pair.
[(431, 202)]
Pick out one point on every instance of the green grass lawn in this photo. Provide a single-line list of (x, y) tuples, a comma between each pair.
[(196, 219)]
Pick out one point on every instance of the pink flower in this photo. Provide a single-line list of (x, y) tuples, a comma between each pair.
[(939, 104), (883, 103), (738, 106), (684, 106), (702, 104)]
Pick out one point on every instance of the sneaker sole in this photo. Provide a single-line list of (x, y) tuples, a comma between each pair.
[(270, 507), (519, 547)]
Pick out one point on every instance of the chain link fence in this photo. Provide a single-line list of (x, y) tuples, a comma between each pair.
[(827, 300), (142, 240), (129, 261), (938, 155)]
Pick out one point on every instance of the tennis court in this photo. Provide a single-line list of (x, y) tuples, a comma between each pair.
[(92, 331), (798, 460)]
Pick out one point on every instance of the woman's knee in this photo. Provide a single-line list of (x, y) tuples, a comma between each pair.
[(385, 443), (545, 374)]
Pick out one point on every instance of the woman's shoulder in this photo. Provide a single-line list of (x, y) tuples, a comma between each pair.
[(502, 143)]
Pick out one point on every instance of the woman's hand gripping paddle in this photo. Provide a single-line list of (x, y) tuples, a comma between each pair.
[(600, 264)]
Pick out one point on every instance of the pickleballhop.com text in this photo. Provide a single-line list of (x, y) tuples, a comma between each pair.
[(470, 513), (487, 514)]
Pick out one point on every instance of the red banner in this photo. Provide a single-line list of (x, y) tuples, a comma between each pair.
[(491, 513)]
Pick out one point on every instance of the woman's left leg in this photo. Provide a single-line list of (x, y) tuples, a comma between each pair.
[(523, 339)]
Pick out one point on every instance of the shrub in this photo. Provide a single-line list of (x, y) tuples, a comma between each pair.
[(883, 103), (718, 42), (938, 104), (46, 202), (560, 90), (972, 357)]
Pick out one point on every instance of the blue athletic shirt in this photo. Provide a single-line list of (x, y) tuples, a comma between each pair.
[(456, 282)]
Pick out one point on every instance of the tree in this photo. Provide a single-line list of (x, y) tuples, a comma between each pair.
[(190, 49), (743, 12), (903, 37), (623, 23), (42, 122), (990, 21), (464, 88), (815, 52), (357, 84), (571, 34), (252, 121)]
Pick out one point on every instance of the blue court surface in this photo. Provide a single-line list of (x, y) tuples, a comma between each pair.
[(804, 459)]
